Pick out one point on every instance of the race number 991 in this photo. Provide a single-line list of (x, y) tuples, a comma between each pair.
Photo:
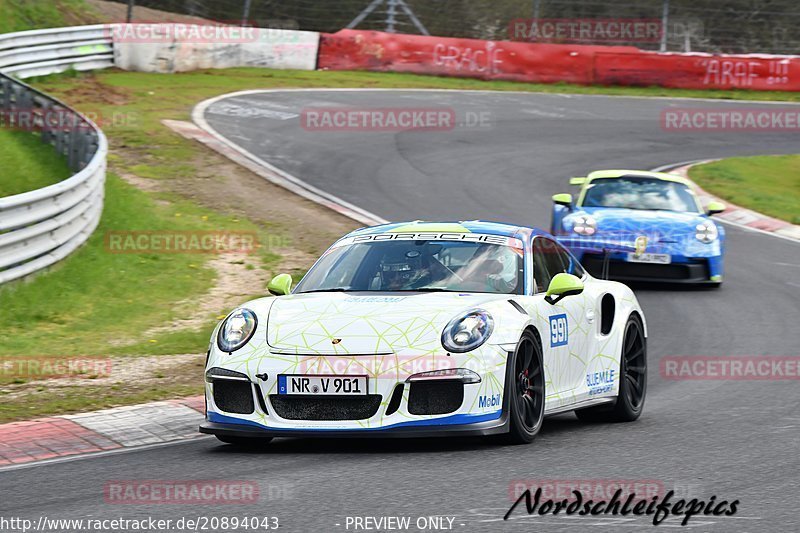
[(559, 331)]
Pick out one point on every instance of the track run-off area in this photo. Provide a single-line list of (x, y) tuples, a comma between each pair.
[(506, 156)]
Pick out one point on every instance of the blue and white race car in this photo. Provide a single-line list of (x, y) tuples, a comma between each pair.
[(658, 216), (420, 329)]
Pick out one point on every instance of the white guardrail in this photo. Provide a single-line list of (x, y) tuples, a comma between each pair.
[(41, 227), (38, 228)]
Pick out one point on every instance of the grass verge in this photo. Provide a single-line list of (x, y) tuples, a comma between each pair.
[(250, 78), (28, 164), (766, 184), (21, 15)]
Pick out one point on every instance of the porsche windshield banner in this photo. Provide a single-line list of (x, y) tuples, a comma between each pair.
[(477, 238)]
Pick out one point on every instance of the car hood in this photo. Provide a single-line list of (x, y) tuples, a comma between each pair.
[(658, 226), (362, 323)]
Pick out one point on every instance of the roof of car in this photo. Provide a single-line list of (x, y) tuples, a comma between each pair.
[(470, 226), (640, 173)]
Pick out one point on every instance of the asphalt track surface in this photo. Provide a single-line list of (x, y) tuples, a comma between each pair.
[(733, 439)]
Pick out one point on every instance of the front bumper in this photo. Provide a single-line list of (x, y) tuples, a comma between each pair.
[(247, 402), (682, 269), (233, 428)]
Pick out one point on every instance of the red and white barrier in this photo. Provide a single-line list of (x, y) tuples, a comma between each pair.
[(550, 63), (470, 58), (698, 71)]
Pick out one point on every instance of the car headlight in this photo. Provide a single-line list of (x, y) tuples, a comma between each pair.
[(236, 330), (707, 232), (585, 225), (467, 332)]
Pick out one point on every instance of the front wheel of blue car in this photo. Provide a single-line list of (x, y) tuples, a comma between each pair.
[(526, 390)]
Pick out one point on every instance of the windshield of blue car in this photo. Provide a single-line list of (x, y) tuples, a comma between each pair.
[(418, 265), (645, 193)]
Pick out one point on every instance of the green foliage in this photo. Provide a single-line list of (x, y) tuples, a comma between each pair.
[(21, 15), (27, 164), (767, 184)]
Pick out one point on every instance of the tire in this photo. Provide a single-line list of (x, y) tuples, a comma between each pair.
[(526, 390), (249, 443), (633, 380)]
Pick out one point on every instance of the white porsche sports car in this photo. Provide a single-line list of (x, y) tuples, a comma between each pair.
[(421, 329)]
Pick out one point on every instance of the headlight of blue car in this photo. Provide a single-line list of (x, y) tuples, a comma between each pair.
[(585, 225), (236, 330), (707, 232), (467, 332)]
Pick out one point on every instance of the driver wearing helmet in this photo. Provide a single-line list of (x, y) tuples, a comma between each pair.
[(403, 272)]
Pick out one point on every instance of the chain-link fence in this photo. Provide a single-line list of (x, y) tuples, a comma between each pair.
[(730, 26)]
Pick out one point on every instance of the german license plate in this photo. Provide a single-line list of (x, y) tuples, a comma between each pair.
[(660, 259), (322, 385)]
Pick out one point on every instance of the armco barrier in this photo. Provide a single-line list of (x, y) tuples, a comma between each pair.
[(41, 227), (41, 52), (170, 48), (548, 63)]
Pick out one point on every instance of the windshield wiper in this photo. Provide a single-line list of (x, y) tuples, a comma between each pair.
[(334, 289), (430, 289)]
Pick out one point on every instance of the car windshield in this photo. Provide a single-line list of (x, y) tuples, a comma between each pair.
[(419, 265), (640, 193)]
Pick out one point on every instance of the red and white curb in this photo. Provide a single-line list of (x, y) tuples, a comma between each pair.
[(100, 431), (740, 216)]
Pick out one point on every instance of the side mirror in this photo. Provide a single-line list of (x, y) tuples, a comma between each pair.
[(563, 199), (561, 286), (280, 285), (715, 207), (577, 180)]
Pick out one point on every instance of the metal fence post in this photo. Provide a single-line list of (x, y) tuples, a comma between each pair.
[(664, 26), (131, 3), (390, 14), (246, 13)]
